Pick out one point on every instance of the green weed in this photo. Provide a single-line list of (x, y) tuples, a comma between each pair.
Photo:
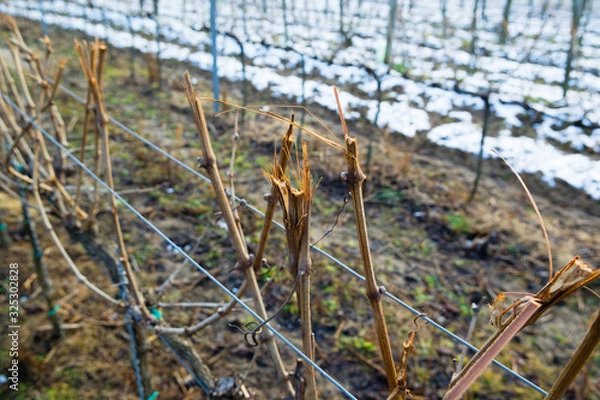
[(388, 195), (402, 68), (357, 343), (60, 391), (458, 222)]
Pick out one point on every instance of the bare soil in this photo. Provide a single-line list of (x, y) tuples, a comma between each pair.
[(432, 250)]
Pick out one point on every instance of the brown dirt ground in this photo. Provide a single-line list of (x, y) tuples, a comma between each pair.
[(421, 233)]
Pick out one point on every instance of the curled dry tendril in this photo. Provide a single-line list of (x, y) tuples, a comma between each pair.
[(250, 335)]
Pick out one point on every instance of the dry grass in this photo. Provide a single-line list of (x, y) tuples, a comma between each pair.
[(420, 257)]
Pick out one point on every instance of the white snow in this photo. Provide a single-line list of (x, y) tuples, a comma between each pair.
[(529, 69)]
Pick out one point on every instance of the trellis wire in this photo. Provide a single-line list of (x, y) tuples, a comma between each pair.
[(179, 250), (317, 249), (281, 227)]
